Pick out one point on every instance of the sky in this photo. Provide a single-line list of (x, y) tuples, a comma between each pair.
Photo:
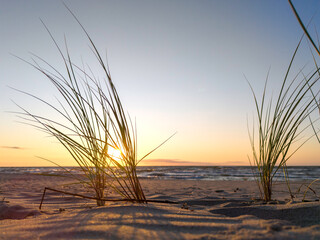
[(178, 65)]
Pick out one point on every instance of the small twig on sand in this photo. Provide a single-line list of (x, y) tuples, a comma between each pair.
[(103, 199)]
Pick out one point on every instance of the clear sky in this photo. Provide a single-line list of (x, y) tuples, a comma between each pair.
[(178, 65)]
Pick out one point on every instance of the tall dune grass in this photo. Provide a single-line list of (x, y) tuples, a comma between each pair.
[(279, 126), (94, 121)]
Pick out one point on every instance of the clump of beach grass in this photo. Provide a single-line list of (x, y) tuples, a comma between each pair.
[(279, 126), (317, 49), (94, 121)]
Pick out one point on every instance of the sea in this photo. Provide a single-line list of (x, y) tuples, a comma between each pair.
[(204, 173)]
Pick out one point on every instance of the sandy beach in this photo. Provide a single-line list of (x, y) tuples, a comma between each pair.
[(205, 210)]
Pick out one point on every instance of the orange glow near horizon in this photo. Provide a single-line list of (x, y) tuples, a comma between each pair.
[(12, 157), (177, 152)]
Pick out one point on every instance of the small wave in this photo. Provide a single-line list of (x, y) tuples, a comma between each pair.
[(205, 173)]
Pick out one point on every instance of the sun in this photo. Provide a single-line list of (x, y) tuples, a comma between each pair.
[(114, 153)]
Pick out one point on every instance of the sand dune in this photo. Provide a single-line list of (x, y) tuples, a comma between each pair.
[(205, 210)]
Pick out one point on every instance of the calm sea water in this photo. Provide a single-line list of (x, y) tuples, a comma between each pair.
[(189, 173)]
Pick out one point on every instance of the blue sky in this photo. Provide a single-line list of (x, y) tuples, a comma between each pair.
[(177, 65)]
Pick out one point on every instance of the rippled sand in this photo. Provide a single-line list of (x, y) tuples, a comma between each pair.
[(205, 210)]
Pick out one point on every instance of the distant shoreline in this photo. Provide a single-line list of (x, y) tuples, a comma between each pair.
[(203, 173)]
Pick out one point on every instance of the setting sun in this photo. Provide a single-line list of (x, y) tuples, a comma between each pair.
[(114, 153)]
